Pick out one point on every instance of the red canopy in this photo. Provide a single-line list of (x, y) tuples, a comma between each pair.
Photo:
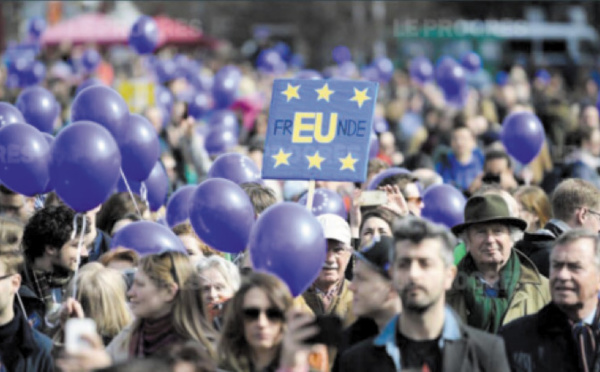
[(103, 30), (87, 28), (176, 32)]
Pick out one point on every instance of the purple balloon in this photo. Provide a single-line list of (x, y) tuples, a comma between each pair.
[(85, 164), (375, 181), (163, 97), (370, 73), (143, 37), (9, 114), (237, 168), (308, 75), (139, 147), (326, 201), (36, 27), (341, 54), (202, 81), (101, 105), (24, 166), (157, 186), (523, 136), (39, 108), (178, 206), (347, 70), (385, 68), (380, 125), (224, 119), (269, 61), (166, 70), (373, 145), (200, 104), (88, 83), (288, 241), (471, 62), (222, 215), (91, 59), (225, 86), (219, 141), (146, 238), (50, 140), (421, 70), (444, 204), (451, 78)]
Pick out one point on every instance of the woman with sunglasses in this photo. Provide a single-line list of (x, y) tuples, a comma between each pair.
[(167, 308), (254, 325)]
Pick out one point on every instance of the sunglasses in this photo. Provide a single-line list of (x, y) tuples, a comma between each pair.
[(416, 199), (6, 276), (272, 313)]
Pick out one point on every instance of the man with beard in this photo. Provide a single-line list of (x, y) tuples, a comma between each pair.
[(427, 336), (562, 336), (51, 253)]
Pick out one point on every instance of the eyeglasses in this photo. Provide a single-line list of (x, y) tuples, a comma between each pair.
[(253, 313), (597, 214), (6, 276)]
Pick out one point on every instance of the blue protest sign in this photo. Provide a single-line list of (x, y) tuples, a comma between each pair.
[(319, 130)]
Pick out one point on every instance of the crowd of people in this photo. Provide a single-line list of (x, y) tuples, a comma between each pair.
[(515, 287)]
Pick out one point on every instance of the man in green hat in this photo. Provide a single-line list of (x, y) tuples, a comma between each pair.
[(495, 283)]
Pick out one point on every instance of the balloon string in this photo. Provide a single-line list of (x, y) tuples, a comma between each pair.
[(130, 193), (144, 192), (79, 247)]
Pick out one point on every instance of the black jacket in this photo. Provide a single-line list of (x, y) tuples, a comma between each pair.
[(538, 245), (541, 342), (464, 349), (22, 348), (361, 329)]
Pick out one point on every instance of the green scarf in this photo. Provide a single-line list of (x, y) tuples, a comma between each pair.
[(485, 312)]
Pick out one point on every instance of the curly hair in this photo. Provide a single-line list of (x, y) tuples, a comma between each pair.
[(50, 226)]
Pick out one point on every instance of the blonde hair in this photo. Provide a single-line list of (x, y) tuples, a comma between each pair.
[(185, 228), (102, 294), (11, 233), (535, 200), (171, 267), (120, 254)]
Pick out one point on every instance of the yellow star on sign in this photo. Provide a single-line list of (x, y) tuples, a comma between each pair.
[(281, 158), (315, 161), (291, 92), (324, 93), (348, 162), (360, 96)]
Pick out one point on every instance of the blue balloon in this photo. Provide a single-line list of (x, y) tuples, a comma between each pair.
[(326, 201), (288, 241), (235, 167), (9, 114), (308, 75), (269, 61), (380, 125), (284, 51), (219, 141), (88, 83), (421, 70), (451, 78), (226, 83), (200, 104), (347, 70), (143, 37), (224, 119), (370, 73), (85, 164), (157, 186), (146, 238), (502, 78), (471, 62), (166, 70), (444, 204), (102, 105), (39, 108), (24, 166), (139, 147), (50, 140), (523, 136), (163, 97), (178, 206), (375, 181), (222, 215), (341, 54), (91, 59), (202, 81)]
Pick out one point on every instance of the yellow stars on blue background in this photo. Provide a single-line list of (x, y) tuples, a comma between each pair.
[(324, 93), (291, 92), (348, 162), (315, 161), (281, 158), (360, 96)]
